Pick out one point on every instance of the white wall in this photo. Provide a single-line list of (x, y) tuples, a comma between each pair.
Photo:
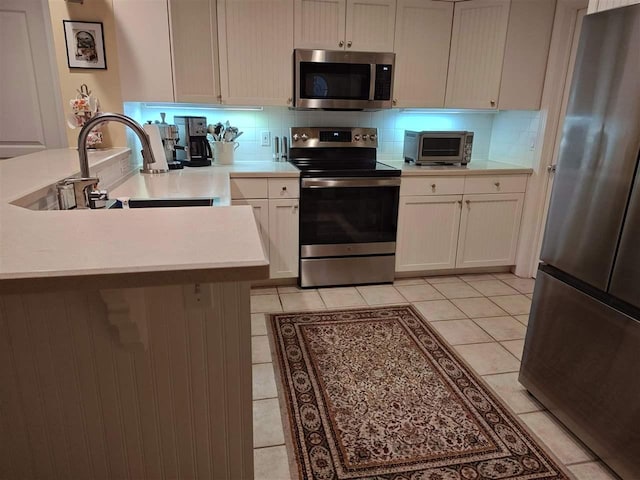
[(514, 137)]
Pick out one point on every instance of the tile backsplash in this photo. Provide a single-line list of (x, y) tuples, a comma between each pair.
[(391, 125)]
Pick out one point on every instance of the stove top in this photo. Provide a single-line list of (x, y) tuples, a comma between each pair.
[(337, 152)]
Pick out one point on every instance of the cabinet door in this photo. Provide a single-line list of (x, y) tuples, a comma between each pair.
[(477, 51), (526, 53), (427, 232), (320, 24), (370, 25), (283, 238), (422, 39), (261, 212), (256, 48), (194, 50), (144, 50), (601, 5), (489, 229)]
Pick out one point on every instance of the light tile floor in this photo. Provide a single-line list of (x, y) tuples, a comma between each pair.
[(484, 318)]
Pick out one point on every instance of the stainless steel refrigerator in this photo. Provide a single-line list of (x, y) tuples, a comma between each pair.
[(582, 350)]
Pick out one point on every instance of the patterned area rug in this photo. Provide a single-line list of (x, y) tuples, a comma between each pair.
[(375, 393)]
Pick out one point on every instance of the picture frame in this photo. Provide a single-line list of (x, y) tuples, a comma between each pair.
[(85, 44)]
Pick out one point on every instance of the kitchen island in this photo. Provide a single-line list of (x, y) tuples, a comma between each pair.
[(124, 334)]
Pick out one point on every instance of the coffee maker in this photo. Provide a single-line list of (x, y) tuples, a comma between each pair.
[(192, 148), (169, 136)]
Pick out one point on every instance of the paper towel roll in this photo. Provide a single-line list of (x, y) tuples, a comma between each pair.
[(156, 145)]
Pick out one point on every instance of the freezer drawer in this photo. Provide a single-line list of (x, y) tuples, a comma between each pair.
[(581, 360)]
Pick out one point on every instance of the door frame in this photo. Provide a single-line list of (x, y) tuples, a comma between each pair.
[(534, 215)]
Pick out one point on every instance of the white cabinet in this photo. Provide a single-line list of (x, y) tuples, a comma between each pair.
[(256, 46), (526, 53), (477, 51), (167, 50), (422, 39), (144, 50), (428, 232), (358, 25), (275, 204), (601, 5), (194, 51), (283, 236), (261, 213), (489, 229), (458, 221)]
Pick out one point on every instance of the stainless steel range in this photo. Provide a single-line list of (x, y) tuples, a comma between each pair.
[(348, 207)]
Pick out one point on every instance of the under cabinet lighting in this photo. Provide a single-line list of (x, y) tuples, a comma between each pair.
[(447, 111), (199, 106)]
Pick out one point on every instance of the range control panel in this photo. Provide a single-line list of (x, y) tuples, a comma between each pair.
[(317, 137)]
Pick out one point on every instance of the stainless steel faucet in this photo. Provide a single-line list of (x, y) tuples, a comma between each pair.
[(83, 192)]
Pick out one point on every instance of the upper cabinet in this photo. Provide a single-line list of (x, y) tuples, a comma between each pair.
[(167, 50), (422, 39), (601, 5), (256, 48), (477, 50), (195, 51), (358, 25), (144, 50), (483, 54)]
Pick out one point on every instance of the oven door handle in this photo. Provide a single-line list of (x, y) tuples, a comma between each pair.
[(349, 182)]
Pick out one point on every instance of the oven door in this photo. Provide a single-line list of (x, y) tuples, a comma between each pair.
[(442, 147), (348, 216)]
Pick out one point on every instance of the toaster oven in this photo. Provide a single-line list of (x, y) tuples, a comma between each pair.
[(437, 148)]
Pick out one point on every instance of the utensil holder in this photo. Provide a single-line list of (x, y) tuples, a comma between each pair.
[(224, 152)]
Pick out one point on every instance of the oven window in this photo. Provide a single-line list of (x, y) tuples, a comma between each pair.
[(348, 215), (441, 147), (341, 81)]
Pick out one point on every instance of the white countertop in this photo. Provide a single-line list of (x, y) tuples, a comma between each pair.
[(475, 167), (55, 250)]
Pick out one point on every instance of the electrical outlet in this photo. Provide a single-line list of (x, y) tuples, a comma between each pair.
[(266, 138), (197, 296)]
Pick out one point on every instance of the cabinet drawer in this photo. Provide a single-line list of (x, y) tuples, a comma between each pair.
[(431, 186), (284, 188), (248, 188), (495, 184)]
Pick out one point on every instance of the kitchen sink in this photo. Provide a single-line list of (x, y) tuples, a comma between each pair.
[(165, 202)]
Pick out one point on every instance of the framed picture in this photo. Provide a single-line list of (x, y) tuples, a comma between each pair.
[(85, 44)]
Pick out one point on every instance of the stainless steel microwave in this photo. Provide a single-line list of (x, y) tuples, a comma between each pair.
[(338, 80), (436, 148)]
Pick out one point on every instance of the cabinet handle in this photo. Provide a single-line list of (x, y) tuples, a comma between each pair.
[(395, 101), (295, 207), (349, 43), (341, 43)]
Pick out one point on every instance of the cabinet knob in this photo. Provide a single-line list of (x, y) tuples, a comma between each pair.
[(493, 103), (433, 187), (349, 43), (468, 202), (497, 184), (289, 100), (295, 208), (341, 43), (460, 202), (284, 189), (395, 101)]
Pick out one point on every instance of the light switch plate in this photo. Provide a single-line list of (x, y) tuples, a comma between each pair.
[(265, 137)]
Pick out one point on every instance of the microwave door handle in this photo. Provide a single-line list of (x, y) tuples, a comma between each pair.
[(372, 82)]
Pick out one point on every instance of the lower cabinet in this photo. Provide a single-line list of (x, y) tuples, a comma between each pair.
[(276, 217), (459, 230), (283, 238), (489, 229), (427, 232)]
